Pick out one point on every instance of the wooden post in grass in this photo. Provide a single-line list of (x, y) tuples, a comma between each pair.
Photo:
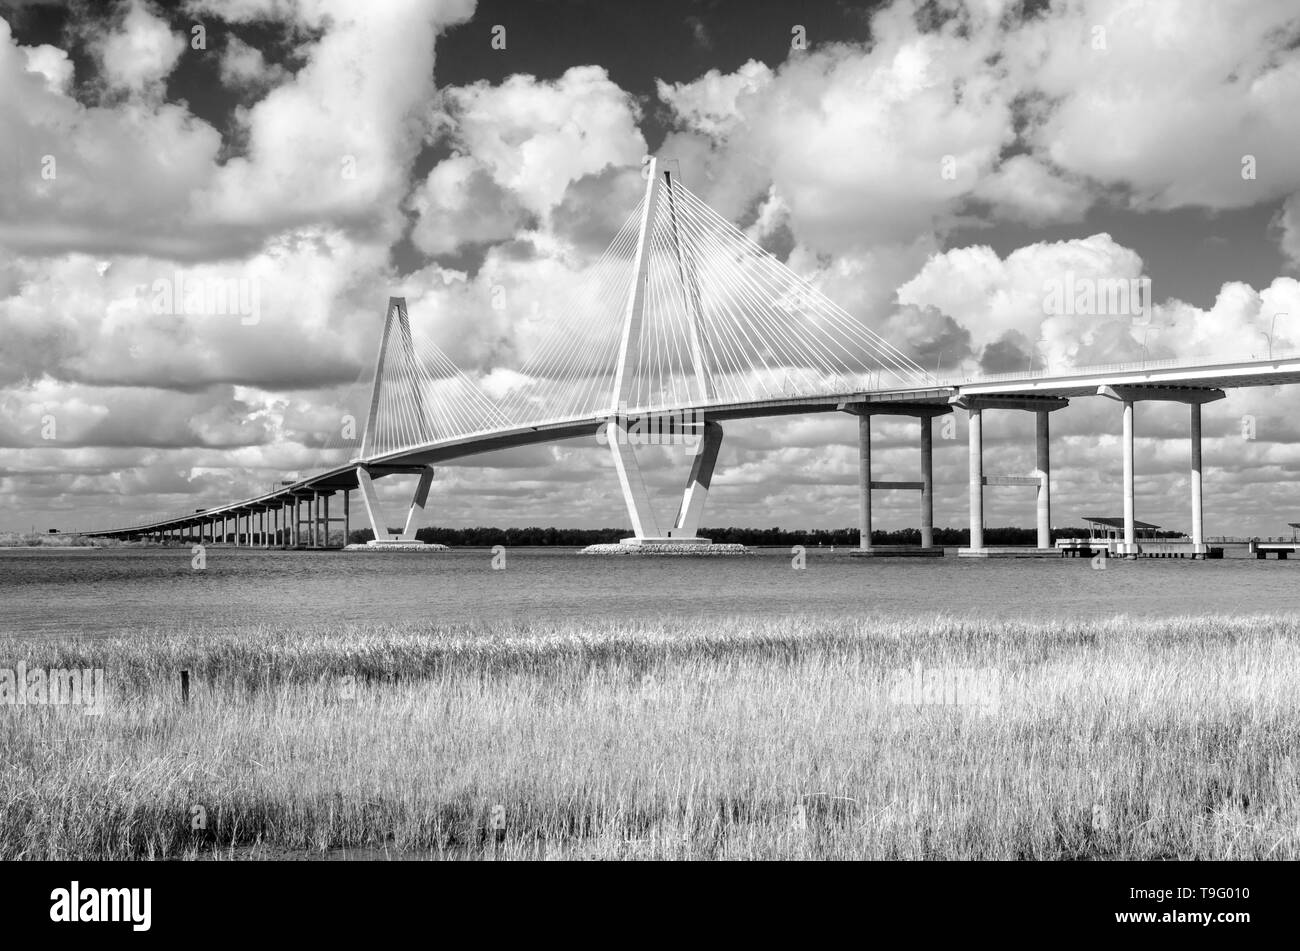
[(185, 686)]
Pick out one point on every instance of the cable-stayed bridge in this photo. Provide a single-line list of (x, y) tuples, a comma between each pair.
[(683, 324)]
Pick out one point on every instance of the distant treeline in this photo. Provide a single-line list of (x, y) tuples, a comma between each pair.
[(542, 537)]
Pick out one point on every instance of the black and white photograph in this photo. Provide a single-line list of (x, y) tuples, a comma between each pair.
[(439, 433)]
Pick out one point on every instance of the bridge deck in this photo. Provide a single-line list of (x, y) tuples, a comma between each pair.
[(1084, 382)]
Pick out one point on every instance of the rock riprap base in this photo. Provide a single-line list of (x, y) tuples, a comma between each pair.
[(398, 546), (667, 548)]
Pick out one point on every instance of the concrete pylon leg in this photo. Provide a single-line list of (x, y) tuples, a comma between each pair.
[(927, 481), (644, 524), (1130, 530), (864, 482), (1043, 460), (976, 448), (370, 501), (687, 523), (1198, 526), (417, 503)]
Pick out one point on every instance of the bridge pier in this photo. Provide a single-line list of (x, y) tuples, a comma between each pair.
[(1194, 397), (686, 523), (927, 481), (370, 498), (975, 447), (1198, 521), (1041, 478), (1130, 546), (1043, 463), (864, 482), (925, 413)]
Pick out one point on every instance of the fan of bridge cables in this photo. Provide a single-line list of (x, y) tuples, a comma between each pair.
[(422, 398), (722, 321)]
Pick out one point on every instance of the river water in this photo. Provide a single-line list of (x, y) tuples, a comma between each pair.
[(97, 592)]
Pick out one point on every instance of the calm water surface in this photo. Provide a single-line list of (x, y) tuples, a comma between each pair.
[(100, 592)]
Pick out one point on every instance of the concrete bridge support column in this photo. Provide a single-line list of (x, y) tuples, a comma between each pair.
[(644, 523), (927, 481), (864, 482), (1043, 462), (691, 511), (347, 523), (1130, 546), (325, 522), (975, 438), (1198, 523), (1194, 396)]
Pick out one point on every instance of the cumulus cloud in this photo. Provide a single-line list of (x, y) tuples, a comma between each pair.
[(461, 203), (1012, 307), (1125, 104), (1289, 225), (710, 104), (1034, 118), (331, 146), (52, 63), (536, 137), (244, 67), (1025, 189), (862, 145), (140, 52)]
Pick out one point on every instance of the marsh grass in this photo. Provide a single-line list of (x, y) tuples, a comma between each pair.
[(1133, 739)]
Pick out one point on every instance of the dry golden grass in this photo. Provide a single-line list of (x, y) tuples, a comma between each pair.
[(699, 739)]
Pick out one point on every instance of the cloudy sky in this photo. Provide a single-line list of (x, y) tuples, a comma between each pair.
[(932, 167)]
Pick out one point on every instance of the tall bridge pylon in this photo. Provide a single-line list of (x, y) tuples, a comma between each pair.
[(682, 314)]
